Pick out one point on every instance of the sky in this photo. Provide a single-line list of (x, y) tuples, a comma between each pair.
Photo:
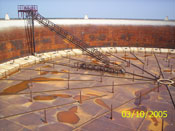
[(124, 9)]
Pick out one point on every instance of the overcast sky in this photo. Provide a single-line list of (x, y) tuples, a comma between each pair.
[(132, 9)]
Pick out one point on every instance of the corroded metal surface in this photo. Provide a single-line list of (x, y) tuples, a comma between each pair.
[(49, 93)]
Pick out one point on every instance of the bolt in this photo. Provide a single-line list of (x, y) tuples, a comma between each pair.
[(147, 61), (45, 117), (80, 97), (162, 123), (111, 113)]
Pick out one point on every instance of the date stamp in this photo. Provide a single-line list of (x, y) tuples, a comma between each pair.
[(142, 114)]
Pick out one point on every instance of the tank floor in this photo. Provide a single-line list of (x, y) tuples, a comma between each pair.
[(49, 96)]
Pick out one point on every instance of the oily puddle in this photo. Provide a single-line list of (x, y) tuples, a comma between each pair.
[(129, 58), (24, 85), (51, 97), (140, 109), (101, 103), (68, 116)]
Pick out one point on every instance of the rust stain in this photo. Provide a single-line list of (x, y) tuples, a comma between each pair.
[(63, 95), (47, 66), (11, 73), (101, 103), (77, 97), (73, 109), (68, 116), (44, 72), (95, 62), (92, 94), (55, 72), (64, 70), (129, 58), (24, 85), (167, 70), (147, 55), (47, 97)]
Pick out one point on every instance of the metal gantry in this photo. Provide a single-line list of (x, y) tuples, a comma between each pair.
[(31, 11)]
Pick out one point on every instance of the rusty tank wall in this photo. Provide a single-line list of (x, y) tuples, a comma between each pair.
[(13, 42)]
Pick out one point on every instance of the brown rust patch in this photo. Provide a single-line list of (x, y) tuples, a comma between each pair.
[(63, 95), (11, 73), (91, 94), (41, 79), (167, 70), (47, 66), (44, 72), (95, 62), (83, 97), (101, 103), (147, 55), (129, 58), (24, 85), (54, 72), (48, 97), (15, 88), (64, 70), (68, 116), (73, 109)]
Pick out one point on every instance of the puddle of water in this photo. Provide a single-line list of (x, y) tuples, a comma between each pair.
[(101, 103), (68, 116)]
